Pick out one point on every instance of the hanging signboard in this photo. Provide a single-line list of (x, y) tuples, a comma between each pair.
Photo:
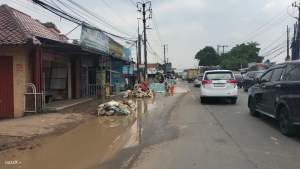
[(115, 49), (126, 54), (93, 39), (127, 70), (168, 67)]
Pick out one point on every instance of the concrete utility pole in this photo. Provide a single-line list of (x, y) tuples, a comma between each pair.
[(139, 54), (146, 9), (288, 44), (222, 46), (297, 42), (165, 59)]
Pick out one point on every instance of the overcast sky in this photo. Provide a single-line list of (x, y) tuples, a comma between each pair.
[(185, 25)]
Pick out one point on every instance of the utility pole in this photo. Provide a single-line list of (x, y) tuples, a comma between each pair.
[(297, 42), (146, 9), (139, 54), (288, 43), (222, 46), (165, 59)]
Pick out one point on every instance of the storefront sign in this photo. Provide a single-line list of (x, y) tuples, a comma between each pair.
[(126, 54), (95, 39), (115, 49), (127, 70)]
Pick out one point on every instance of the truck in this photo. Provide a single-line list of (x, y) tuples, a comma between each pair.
[(191, 74)]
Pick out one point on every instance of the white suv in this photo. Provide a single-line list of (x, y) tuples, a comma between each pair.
[(219, 84)]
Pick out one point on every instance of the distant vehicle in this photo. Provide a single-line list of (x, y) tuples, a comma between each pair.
[(249, 79), (197, 81), (277, 94), (240, 80), (219, 84), (191, 75)]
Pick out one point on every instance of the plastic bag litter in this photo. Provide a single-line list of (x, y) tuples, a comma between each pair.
[(116, 108)]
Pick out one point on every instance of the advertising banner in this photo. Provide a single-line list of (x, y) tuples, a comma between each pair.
[(115, 49), (126, 54), (94, 39), (127, 70)]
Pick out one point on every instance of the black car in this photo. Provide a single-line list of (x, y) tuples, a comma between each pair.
[(240, 80), (250, 77), (277, 94)]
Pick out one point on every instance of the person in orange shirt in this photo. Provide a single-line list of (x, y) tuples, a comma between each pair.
[(172, 88)]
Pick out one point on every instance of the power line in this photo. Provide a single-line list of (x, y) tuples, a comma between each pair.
[(279, 54), (274, 51), (260, 29), (156, 29), (274, 41), (278, 45), (152, 51), (99, 18), (115, 12), (30, 8), (79, 14), (74, 19)]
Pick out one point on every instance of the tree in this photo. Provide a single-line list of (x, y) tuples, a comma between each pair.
[(240, 56), (207, 56)]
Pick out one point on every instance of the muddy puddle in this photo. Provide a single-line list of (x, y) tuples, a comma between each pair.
[(86, 146)]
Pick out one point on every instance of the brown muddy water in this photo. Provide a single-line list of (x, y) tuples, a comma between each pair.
[(86, 146)]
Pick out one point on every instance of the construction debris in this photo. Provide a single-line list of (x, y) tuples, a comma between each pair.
[(116, 108), (140, 90)]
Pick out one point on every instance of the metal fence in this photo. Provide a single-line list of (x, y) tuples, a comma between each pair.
[(92, 90), (33, 102)]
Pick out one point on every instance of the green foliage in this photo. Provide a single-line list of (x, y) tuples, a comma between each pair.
[(207, 56), (241, 55), (238, 56)]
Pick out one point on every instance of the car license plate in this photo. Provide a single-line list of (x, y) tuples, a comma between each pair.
[(219, 85)]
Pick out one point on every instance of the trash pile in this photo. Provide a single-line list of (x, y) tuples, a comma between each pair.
[(140, 90), (121, 108)]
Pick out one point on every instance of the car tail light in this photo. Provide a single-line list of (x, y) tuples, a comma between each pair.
[(205, 82), (232, 81)]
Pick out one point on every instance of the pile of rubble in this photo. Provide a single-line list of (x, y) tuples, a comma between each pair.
[(119, 108), (140, 90)]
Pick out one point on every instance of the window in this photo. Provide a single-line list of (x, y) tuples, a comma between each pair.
[(266, 77), (276, 75), (258, 74), (293, 72), (219, 76)]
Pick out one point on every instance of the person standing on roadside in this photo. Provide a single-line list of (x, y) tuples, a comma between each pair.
[(172, 88), (166, 87)]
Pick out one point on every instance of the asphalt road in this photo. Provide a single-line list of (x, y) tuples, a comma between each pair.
[(185, 134)]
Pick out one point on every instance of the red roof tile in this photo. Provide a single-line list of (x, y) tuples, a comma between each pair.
[(19, 28)]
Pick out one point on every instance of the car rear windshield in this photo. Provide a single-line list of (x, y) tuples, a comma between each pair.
[(219, 76)]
